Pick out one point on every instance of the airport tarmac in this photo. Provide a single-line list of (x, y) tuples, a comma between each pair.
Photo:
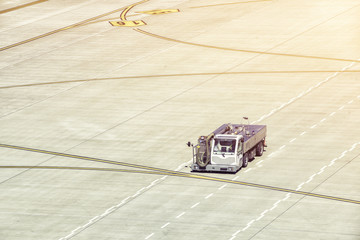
[(99, 98)]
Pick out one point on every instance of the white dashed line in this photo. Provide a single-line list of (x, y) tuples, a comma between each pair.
[(222, 186), (208, 196), (303, 133), (195, 205), (258, 163), (150, 235), (165, 225), (180, 215), (292, 140)]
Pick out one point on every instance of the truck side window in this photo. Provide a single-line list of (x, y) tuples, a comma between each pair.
[(239, 146)]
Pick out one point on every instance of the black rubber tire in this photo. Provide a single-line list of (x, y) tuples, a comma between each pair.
[(260, 149), (245, 160)]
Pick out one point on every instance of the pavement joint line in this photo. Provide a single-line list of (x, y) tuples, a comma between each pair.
[(59, 30), (232, 3), (162, 177), (170, 75), (312, 127), (275, 205), (113, 208), (243, 50), (22, 6), (168, 173)]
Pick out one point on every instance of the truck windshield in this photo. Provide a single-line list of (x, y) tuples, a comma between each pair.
[(224, 146)]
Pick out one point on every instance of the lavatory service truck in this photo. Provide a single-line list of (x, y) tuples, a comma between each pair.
[(228, 148)]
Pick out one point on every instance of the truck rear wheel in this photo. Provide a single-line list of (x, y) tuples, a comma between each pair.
[(260, 149), (245, 160)]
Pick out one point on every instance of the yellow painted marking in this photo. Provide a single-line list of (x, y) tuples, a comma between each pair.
[(232, 3), (180, 75), (127, 23), (22, 6), (72, 26), (180, 174), (59, 30), (160, 11), (127, 9), (243, 50)]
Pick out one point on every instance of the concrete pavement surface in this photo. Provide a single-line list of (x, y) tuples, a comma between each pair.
[(97, 96)]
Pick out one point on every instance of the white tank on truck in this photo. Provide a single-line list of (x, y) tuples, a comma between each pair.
[(228, 148)]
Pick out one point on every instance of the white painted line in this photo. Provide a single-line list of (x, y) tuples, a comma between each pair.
[(236, 233), (287, 196), (283, 146), (322, 120), (271, 154), (332, 114), (341, 108), (313, 126), (258, 163), (180, 215), (235, 178), (300, 186), (222, 186), (311, 178), (321, 170), (248, 170), (351, 101), (165, 225), (292, 140), (195, 205), (302, 133), (150, 235), (209, 195)]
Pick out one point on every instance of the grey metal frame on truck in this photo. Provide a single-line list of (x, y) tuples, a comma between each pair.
[(228, 148)]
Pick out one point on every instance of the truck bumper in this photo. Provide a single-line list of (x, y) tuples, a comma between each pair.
[(215, 168)]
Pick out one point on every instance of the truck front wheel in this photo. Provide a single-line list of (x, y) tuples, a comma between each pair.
[(245, 160)]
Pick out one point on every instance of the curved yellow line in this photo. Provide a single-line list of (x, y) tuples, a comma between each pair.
[(180, 75), (243, 50), (223, 4), (127, 9), (175, 173)]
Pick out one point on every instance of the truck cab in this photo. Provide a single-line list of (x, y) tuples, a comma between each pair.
[(227, 150)]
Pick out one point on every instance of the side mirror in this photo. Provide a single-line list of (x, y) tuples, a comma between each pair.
[(242, 140), (188, 144)]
